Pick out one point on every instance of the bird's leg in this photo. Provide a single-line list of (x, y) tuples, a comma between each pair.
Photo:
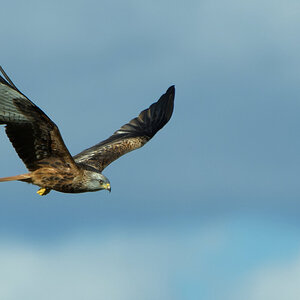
[(43, 191)]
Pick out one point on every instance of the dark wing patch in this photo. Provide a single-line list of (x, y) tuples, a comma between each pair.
[(132, 135), (34, 136)]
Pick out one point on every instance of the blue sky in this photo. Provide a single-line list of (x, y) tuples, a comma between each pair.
[(209, 209)]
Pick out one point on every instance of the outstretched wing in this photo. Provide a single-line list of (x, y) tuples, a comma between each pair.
[(34, 136), (132, 135)]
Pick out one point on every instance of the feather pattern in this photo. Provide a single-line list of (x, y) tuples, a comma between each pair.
[(34, 136), (130, 136)]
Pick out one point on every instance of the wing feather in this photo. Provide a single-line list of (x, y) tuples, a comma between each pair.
[(34, 136), (130, 136)]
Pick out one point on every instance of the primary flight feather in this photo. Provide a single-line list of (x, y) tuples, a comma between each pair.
[(38, 142)]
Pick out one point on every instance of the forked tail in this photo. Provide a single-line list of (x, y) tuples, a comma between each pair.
[(22, 177)]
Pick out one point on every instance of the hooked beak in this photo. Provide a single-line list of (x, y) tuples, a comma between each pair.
[(108, 187)]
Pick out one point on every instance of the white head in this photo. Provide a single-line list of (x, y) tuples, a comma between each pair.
[(97, 181)]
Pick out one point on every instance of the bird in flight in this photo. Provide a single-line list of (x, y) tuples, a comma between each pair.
[(39, 144)]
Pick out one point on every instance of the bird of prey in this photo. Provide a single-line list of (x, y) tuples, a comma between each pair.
[(39, 144)]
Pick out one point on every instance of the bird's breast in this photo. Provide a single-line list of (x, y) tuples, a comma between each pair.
[(65, 181)]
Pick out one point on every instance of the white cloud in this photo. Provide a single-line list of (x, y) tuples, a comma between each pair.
[(273, 282), (136, 265)]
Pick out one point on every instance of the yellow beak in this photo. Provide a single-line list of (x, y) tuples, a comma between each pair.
[(108, 187)]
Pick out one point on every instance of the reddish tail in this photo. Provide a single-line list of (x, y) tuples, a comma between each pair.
[(22, 177)]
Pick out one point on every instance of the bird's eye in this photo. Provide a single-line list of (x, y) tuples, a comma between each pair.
[(101, 182)]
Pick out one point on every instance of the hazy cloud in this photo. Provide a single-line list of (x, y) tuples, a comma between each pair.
[(115, 265), (274, 281)]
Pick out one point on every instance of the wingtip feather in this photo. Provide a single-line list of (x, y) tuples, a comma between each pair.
[(171, 90)]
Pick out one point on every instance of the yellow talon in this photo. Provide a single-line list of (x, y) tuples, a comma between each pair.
[(43, 191)]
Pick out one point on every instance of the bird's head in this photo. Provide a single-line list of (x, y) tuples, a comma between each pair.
[(97, 181)]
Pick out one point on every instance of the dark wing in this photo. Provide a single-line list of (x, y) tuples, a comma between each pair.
[(34, 136), (132, 135)]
